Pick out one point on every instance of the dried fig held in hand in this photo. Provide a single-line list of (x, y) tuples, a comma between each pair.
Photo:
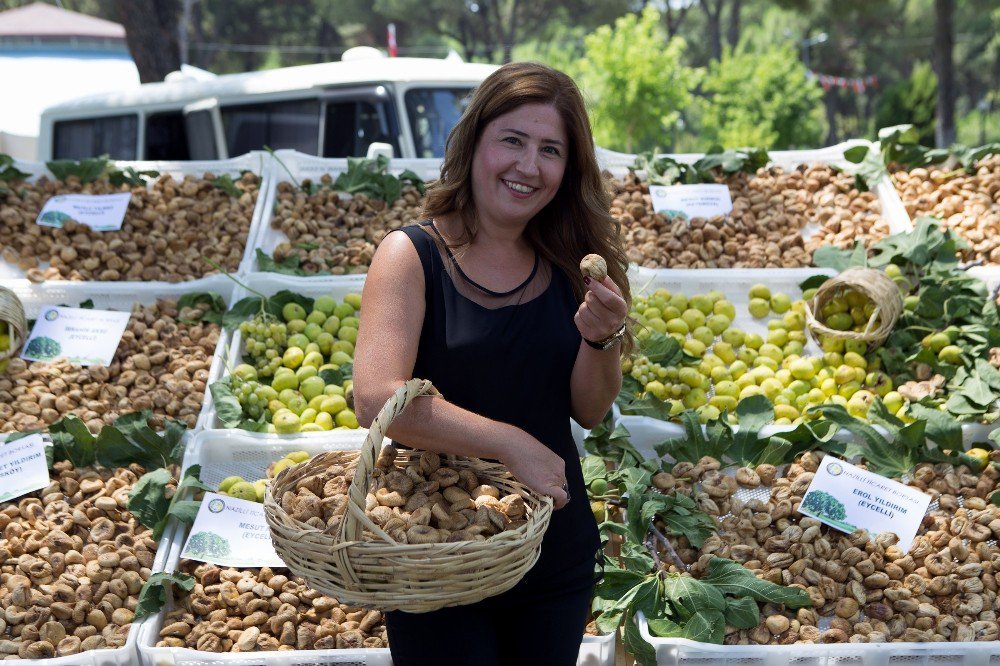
[(594, 267)]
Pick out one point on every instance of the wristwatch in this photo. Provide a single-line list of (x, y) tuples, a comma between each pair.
[(608, 342)]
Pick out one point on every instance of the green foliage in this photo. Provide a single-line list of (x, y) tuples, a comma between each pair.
[(761, 99), (665, 170), (149, 504), (636, 82), (824, 504), (744, 446), (128, 440), (911, 101)]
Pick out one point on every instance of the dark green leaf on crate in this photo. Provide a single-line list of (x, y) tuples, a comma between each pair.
[(153, 594)]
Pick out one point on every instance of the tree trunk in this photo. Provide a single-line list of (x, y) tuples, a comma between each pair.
[(151, 35), (830, 99), (733, 36), (713, 16), (944, 67), (673, 18)]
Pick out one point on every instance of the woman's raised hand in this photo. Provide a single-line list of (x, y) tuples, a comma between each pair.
[(603, 310)]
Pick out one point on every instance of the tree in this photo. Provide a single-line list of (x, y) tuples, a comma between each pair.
[(911, 102), (636, 82), (761, 100), (151, 35), (944, 67)]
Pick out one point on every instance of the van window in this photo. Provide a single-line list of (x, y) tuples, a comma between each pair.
[(352, 125), (166, 137), (115, 136), (293, 124), (432, 113)]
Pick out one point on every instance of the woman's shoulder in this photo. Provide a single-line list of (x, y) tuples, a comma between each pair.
[(398, 252)]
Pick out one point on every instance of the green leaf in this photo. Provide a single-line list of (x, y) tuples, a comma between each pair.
[(593, 469), (225, 183), (680, 515), (87, 170), (119, 177), (215, 306), (153, 594), (637, 646), (331, 376), (227, 405), (883, 456), (943, 429), (612, 615), (290, 265), (8, 172), (813, 282), (243, 309), (742, 613), (693, 595), (831, 256), (856, 154), (147, 500), (660, 348), (73, 441), (734, 579)]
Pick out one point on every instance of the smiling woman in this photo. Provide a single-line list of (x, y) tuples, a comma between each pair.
[(513, 337)]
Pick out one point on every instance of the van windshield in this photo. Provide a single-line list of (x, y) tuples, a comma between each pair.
[(432, 113)]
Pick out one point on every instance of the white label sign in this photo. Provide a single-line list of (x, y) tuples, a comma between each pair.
[(100, 212), (22, 467), (231, 532), (83, 337), (847, 498), (691, 200)]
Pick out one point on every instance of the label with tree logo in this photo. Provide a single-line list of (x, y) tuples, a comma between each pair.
[(80, 335), (231, 532), (100, 212), (847, 498)]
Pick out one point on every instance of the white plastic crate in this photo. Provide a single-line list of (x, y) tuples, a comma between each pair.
[(231, 353), (292, 166), (232, 453), (127, 655), (684, 652), (229, 453), (121, 296), (892, 207), (735, 283), (256, 162)]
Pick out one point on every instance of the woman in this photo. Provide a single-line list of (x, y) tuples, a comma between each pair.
[(486, 300)]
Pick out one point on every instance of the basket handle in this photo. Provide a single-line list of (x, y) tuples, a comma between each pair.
[(355, 518)]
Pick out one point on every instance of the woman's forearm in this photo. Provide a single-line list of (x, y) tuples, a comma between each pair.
[(594, 384), (434, 424)]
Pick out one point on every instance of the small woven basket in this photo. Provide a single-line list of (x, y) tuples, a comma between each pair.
[(12, 313), (875, 284), (382, 573)]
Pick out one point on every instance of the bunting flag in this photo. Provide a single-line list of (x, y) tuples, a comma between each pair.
[(391, 39), (858, 85)]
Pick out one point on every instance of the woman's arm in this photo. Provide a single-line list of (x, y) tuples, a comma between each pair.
[(392, 316), (597, 374)]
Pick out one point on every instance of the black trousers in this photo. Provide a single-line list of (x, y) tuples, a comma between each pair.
[(539, 621)]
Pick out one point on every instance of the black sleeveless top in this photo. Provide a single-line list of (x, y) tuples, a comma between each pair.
[(511, 364)]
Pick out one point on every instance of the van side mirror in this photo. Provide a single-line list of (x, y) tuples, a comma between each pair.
[(375, 149)]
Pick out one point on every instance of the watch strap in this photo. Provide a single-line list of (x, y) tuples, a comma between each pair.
[(609, 341)]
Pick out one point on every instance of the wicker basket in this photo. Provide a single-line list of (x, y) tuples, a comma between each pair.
[(873, 283), (12, 313), (382, 573)]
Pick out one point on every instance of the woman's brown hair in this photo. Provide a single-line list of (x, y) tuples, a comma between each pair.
[(577, 221)]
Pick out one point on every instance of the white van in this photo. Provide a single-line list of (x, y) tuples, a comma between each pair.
[(335, 109)]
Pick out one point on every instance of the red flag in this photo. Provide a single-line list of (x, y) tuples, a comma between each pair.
[(391, 38)]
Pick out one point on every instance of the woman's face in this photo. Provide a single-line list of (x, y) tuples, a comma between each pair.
[(518, 164)]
